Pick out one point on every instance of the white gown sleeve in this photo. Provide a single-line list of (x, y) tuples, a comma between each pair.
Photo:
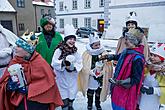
[(56, 63), (78, 65)]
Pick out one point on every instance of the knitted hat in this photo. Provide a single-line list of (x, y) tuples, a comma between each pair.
[(27, 42), (45, 20), (134, 36), (69, 32), (93, 37), (158, 49), (132, 18)]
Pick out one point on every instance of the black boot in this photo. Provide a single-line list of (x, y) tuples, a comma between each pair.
[(66, 104), (71, 105), (90, 98), (97, 99)]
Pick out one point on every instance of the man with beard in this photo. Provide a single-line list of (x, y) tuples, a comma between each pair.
[(48, 39)]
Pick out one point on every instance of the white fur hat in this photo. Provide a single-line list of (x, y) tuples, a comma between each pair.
[(158, 49), (69, 32), (93, 38), (132, 17)]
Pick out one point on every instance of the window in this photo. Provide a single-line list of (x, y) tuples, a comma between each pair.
[(87, 22), (49, 12), (101, 4), (75, 22), (61, 6), (61, 23), (74, 5), (42, 12), (21, 3), (21, 27), (87, 3)]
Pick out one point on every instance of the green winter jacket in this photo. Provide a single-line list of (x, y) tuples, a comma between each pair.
[(44, 50)]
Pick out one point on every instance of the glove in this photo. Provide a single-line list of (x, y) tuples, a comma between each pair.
[(125, 83), (109, 57), (147, 90), (67, 63)]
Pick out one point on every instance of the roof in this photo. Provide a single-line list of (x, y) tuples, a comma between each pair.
[(5, 6), (46, 3)]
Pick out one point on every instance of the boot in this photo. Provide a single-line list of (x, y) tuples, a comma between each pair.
[(71, 105), (66, 104), (97, 99), (90, 98)]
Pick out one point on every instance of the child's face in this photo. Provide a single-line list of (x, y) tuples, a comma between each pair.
[(155, 58), (71, 42), (131, 25), (96, 45)]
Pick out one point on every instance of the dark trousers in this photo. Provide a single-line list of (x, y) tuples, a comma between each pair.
[(68, 104), (32, 105), (90, 94)]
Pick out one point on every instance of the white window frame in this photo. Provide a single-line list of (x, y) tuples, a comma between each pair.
[(75, 22), (87, 4), (101, 3), (87, 22), (61, 6), (61, 21), (74, 5), (21, 3)]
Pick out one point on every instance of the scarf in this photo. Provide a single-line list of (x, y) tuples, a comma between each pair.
[(94, 51), (66, 50)]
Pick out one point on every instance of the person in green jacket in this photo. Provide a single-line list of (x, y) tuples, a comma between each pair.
[(48, 39)]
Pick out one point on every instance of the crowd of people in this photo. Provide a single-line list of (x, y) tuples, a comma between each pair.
[(46, 71)]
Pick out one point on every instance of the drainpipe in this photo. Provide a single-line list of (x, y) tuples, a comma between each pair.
[(35, 16), (16, 21)]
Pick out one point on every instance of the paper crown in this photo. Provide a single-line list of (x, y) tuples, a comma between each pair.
[(27, 41), (93, 38), (158, 49)]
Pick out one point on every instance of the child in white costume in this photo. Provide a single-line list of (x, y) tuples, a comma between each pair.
[(95, 74), (67, 63), (153, 90), (7, 41)]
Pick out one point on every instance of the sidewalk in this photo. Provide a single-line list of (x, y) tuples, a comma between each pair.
[(80, 103)]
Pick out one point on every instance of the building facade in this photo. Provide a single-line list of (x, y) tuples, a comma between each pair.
[(80, 13), (8, 16), (41, 8), (150, 16), (25, 15)]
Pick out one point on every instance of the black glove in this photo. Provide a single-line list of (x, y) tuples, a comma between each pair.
[(147, 90), (125, 83), (67, 63), (108, 57)]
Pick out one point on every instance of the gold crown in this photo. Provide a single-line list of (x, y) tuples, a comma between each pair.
[(30, 38)]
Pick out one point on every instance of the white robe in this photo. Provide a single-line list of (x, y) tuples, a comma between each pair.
[(66, 81), (7, 41), (150, 102)]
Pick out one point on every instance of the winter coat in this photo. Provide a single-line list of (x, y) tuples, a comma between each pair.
[(85, 73), (45, 51), (126, 98), (40, 81), (157, 81), (66, 81)]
